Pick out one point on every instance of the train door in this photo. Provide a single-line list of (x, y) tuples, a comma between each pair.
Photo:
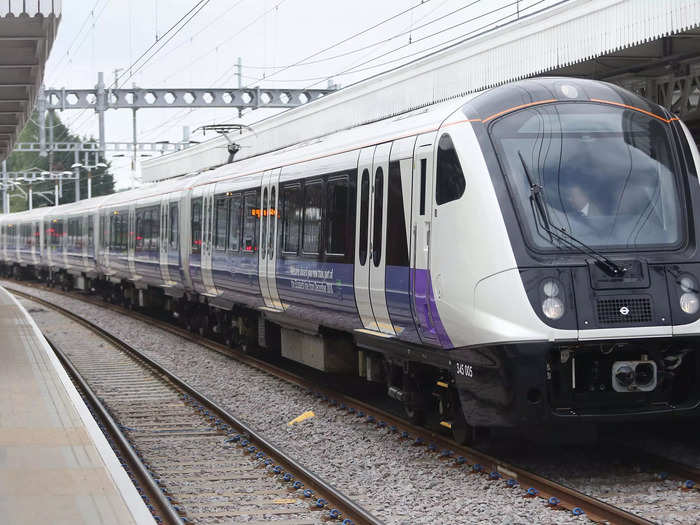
[(185, 240), (267, 252), (163, 241), (131, 241), (362, 239), (370, 241), (422, 301), (379, 179), (34, 244), (208, 239)]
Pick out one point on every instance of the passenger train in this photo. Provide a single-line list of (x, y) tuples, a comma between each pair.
[(520, 257)]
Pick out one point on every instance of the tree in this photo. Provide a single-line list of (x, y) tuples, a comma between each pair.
[(102, 179)]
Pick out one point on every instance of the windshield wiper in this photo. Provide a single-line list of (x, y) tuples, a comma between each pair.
[(561, 234)]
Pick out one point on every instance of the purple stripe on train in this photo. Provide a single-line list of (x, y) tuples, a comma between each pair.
[(429, 322)]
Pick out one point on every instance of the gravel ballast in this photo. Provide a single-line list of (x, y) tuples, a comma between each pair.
[(397, 482)]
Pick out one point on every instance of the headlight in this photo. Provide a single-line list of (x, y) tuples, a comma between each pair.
[(689, 303), (553, 307), (688, 284), (550, 288)]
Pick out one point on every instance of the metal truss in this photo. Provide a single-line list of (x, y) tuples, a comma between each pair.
[(102, 98), (139, 98), (679, 91), (124, 147), (36, 175)]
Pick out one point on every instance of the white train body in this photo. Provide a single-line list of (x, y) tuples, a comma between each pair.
[(451, 242)]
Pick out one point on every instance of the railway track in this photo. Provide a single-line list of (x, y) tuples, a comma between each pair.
[(199, 463), (473, 461)]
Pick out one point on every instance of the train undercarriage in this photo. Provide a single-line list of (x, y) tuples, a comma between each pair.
[(464, 392), (423, 392)]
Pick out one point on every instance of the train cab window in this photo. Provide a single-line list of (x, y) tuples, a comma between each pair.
[(313, 192), (234, 230), (449, 182), (251, 221), (264, 219), (364, 216), (174, 227), (290, 203), (378, 212), (221, 221), (337, 206), (196, 225)]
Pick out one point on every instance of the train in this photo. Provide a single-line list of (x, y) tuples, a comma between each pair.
[(521, 257)]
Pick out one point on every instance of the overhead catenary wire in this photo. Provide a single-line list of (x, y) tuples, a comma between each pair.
[(225, 41), (274, 8), (351, 37), (437, 47), (91, 14), (216, 19), (377, 43), (159, 44)]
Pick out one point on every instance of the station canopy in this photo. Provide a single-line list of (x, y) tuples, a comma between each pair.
[(27, 32)]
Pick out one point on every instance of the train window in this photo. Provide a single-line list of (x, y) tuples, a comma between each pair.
[(58, 239), (197, 225), (250, 221), (174, 226), (273, 216), (336, 215), (396, 238), (113, 233), (221, 233), (153, 228), (449, 182), (147, 229), (234, 232), (264, 219), (423, 170), (313, 193), (364, 216), (291, 215), (140, 233), (124, 230), (378, 212), (121, 237), (90, 231)]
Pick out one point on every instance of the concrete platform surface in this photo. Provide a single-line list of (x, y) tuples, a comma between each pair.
[(55, 465)]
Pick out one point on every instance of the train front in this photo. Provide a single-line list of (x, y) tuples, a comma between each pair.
[(598, 189)]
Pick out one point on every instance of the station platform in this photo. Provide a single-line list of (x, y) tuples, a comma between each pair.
[(55, 464)]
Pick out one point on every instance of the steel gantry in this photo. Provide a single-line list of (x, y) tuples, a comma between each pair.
[(102, 98), (11, 179)]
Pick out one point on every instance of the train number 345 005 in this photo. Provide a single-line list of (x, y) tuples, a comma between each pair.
[(464, 369)]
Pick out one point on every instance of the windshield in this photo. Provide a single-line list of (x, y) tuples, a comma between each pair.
[(606, 174)]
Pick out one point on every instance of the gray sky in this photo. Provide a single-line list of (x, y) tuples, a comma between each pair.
[(103, 35)]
